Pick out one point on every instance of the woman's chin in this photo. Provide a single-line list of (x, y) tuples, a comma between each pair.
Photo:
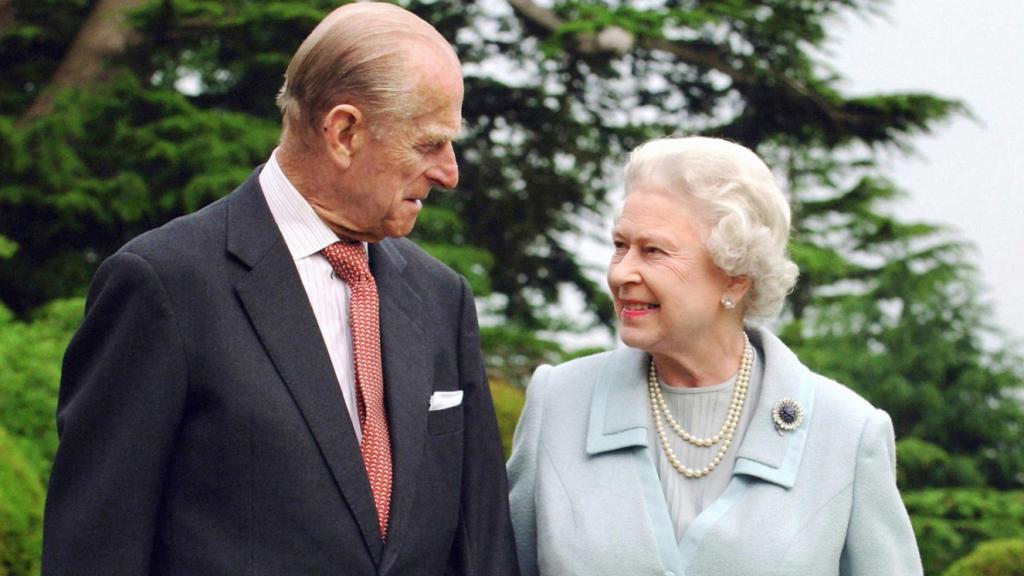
[(634, 338)]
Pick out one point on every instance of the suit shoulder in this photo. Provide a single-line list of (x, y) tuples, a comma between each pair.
[(203, 233), (422, 261), (184, 235)]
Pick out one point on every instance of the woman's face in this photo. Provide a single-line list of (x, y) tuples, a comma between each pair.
[(667, 291)]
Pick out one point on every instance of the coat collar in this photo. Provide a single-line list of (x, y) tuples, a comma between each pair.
[(618, 410), (764, 453), (251, 231)]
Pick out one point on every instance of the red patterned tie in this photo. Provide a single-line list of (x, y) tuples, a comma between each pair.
[(350, 262)]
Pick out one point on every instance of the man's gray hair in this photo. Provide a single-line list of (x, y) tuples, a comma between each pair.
[(355, 54)]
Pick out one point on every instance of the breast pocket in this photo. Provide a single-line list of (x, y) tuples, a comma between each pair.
[(445, 421), (443, 455)]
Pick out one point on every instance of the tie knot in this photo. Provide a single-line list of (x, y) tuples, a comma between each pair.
[(349, 261)]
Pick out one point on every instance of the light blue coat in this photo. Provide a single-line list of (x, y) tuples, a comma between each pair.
[(818, 501)]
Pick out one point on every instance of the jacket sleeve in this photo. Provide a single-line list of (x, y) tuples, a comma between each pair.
[(121, 397), (484, 543), (879, 539), (522, 471)]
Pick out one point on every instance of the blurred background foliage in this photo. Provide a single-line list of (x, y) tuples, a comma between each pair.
[(1004, 557), (118, 115)]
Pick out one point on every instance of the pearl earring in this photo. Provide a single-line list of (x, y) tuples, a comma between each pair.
[(727, 303)]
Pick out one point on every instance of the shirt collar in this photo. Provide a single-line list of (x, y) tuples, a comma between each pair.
[(304, 232)]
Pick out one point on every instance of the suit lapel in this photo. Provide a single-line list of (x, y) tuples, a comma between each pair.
[(276, 302), (408, 381)]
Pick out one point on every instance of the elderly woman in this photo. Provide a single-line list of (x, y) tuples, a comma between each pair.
[(704, 447)]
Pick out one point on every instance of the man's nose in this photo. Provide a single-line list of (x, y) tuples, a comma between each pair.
[(445, 174)]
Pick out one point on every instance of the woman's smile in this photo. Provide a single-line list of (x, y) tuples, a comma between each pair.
[(636, 309)]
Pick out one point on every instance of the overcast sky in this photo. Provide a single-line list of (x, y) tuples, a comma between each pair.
[(967, 174)]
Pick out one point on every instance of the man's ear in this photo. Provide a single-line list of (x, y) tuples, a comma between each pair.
[(343, 133)]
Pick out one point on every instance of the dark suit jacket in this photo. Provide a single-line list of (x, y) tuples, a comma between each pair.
[(203, 431)]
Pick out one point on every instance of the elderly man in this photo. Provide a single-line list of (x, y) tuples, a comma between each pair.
[(278, 384)]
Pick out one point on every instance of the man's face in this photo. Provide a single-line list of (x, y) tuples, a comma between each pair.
[(395, 170)]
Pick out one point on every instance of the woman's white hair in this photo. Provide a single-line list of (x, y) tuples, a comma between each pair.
[(746, 216)]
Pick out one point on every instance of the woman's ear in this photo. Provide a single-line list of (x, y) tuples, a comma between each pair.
[(736, 288), (343, 133)]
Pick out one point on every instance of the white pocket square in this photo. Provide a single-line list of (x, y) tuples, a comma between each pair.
[(444, 399)]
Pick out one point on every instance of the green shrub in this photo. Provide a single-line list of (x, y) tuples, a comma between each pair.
[(950, 523), (512, 352), (30, 361), (994, 558), (508, 403), (21, 511), (921, 464)]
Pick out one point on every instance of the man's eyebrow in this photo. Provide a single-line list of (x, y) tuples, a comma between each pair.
[(443, 135), (458, 134)]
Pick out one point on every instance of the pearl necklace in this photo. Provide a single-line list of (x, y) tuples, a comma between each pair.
[(725, 433)]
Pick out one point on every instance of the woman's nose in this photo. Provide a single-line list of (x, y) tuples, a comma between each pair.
[(622, 271)]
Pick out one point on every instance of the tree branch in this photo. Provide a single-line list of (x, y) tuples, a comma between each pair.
[(538, 15), (104, 34), (7, 20), (610, 40), (704, 56)]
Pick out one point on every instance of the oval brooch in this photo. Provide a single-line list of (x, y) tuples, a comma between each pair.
[(787, 414)]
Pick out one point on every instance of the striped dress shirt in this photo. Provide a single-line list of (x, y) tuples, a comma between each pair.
[(306, 235)]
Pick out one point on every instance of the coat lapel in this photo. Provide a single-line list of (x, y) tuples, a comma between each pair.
[(407, 381), (276, 302), (618, 420), (764, 453), (618, 409)]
